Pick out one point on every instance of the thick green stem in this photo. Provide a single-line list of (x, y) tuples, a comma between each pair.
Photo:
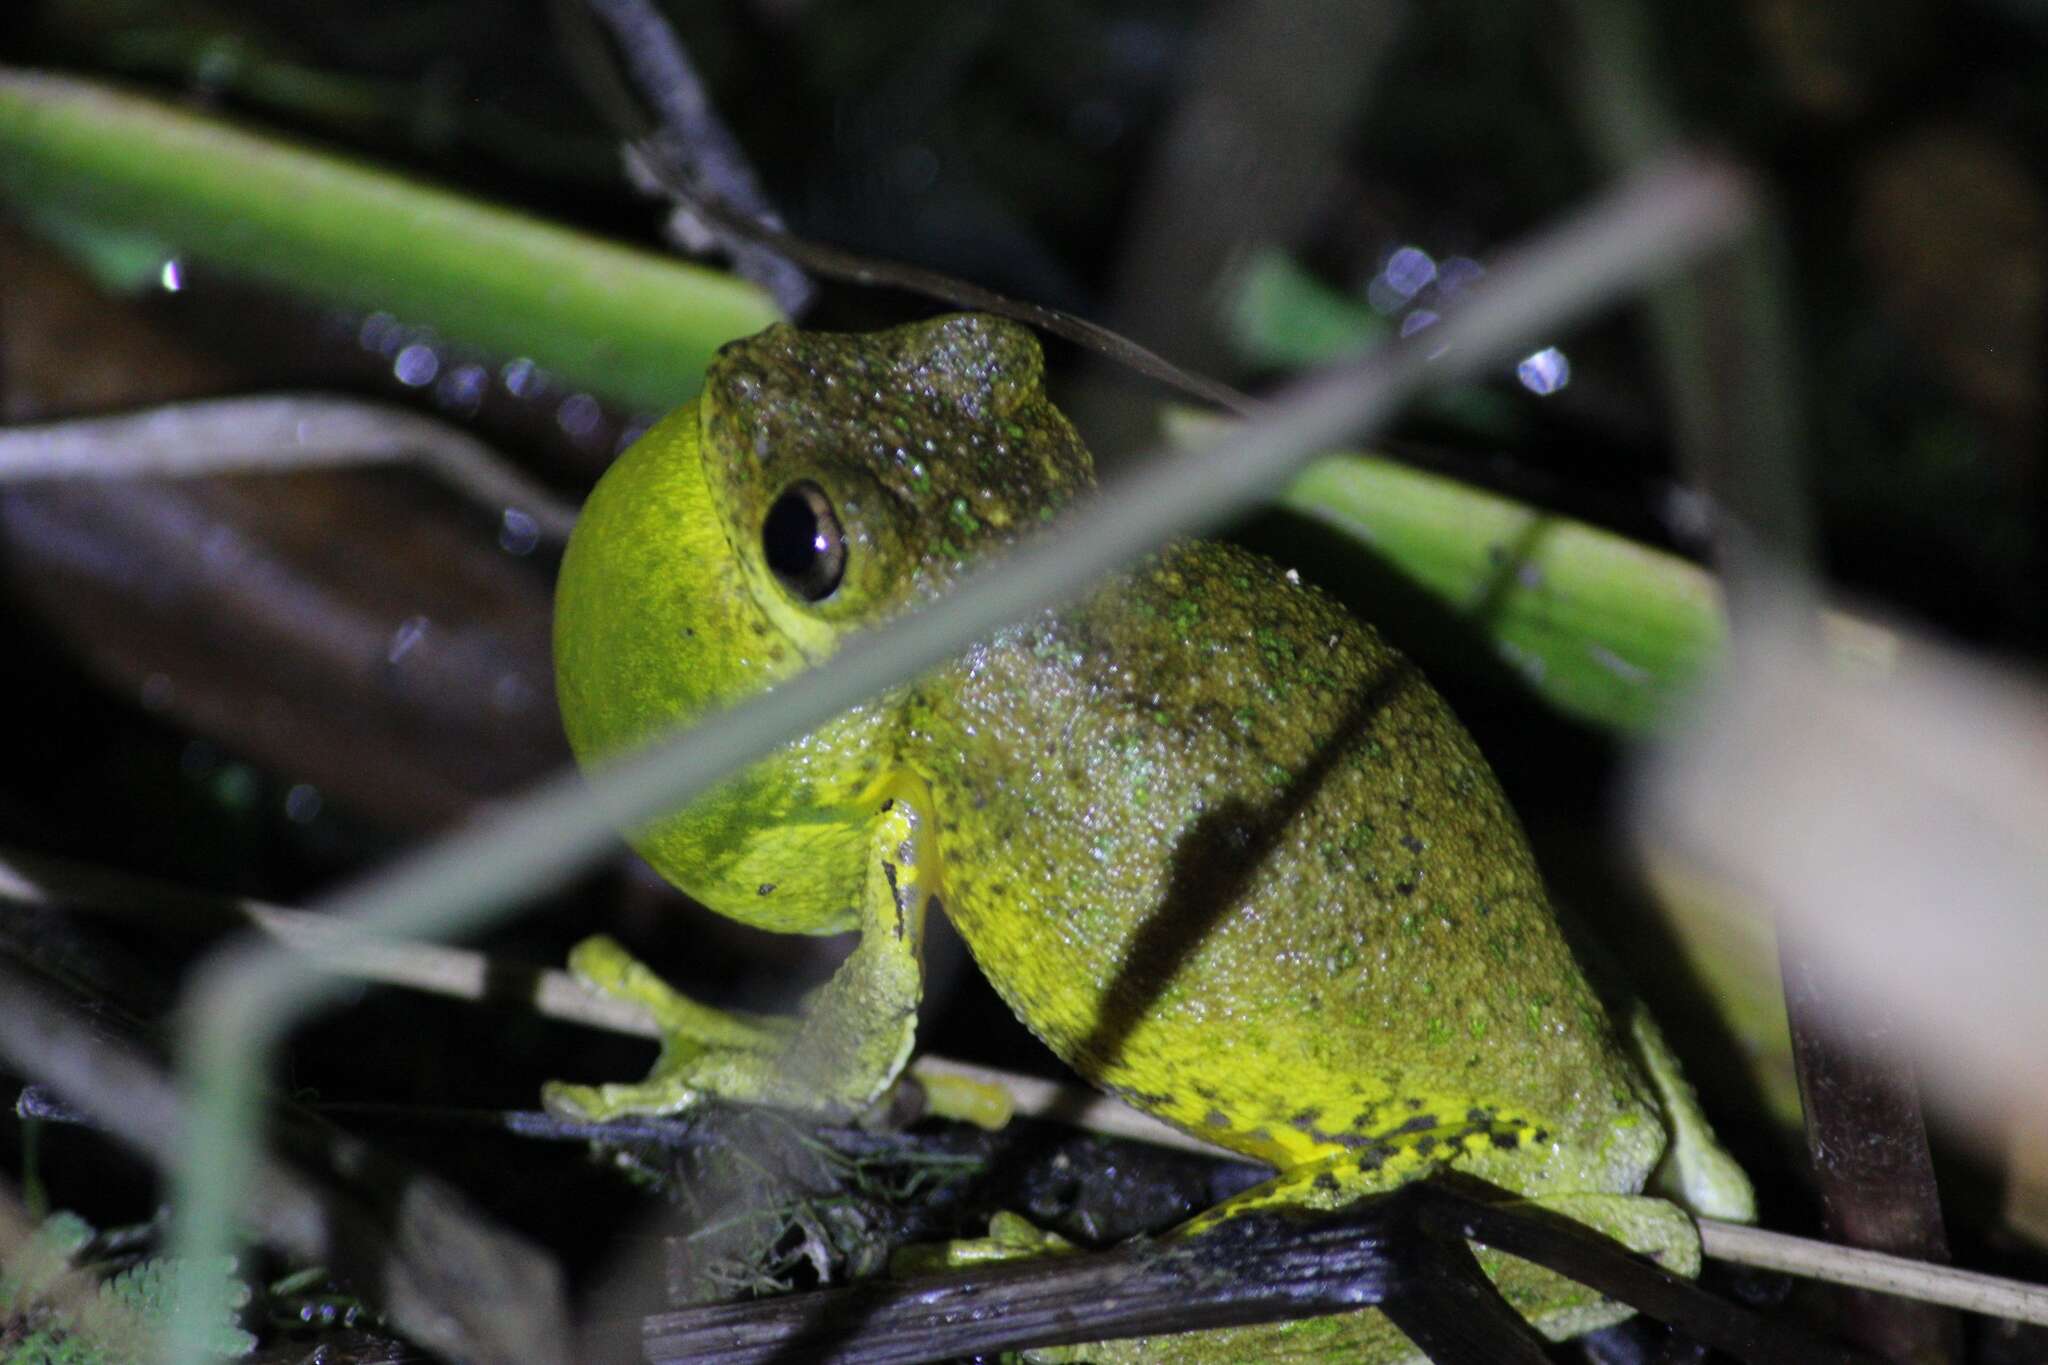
[(631, 325)]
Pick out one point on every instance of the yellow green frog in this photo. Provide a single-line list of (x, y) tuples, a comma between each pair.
[(1216, 843)]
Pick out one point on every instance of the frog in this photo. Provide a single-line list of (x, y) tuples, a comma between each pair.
[(1213, 840)]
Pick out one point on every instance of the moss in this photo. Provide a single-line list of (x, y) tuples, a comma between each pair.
[(44, 1321)]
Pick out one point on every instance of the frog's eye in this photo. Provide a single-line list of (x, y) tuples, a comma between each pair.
[(803, 542)]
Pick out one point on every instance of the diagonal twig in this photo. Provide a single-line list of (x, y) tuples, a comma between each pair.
[(1259, 1268), (693, 139), (1586, 1256), (276, 433), (657, 72)]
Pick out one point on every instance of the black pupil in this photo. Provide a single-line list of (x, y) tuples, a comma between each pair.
[(803, 542)]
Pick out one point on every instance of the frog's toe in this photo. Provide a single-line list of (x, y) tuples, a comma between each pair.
[(600, 1103), (601, 963), (1021, 1236), (604, 966), (1010, 1237), (950, 1094)]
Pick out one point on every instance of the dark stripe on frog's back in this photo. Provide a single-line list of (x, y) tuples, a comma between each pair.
[(1216, 685)]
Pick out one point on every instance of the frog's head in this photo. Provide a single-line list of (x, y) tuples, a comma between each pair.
[(859, 474), (821, 483)]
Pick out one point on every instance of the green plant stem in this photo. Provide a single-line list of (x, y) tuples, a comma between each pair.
[(1607, 630), (631, 325)]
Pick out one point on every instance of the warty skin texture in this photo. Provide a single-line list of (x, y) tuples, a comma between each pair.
[(1213, 840)]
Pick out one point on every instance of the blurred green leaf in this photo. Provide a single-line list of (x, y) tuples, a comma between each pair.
[(1283, 317)]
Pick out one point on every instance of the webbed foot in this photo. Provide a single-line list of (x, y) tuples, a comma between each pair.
[(706, 1053)]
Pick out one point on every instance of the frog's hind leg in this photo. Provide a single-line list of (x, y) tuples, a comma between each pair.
[(602, 964), (837, 1057), (1557, 1306), (1697, 1170)]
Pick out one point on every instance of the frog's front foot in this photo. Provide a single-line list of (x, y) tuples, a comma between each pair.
[(667, 1090), (601, 1103), (837, 1061), (706, 1053)]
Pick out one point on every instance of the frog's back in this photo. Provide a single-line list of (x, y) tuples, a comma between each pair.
[(1282, 902)]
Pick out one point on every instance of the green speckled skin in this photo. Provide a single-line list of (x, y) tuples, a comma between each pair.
[(1231, 857), (1214, 841)]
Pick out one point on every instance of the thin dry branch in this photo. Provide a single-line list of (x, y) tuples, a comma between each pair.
[(693, 137), (641, 66), (276, 434), (1970, 1290)]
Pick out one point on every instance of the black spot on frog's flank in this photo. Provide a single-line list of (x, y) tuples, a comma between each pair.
[(1421, 1123), (1478, 1117), (1350, 1142), (1142, 1099), (1306, 1120), (1326, 1182), (1411, 843), (1507, 1141), (1216, 1118), (1413, 1105), (765, 889), (889, 805), (1425, 1144), (1404, 888)]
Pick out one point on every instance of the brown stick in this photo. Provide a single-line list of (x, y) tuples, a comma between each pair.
[(1868, 1145), (1406, 1246)]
